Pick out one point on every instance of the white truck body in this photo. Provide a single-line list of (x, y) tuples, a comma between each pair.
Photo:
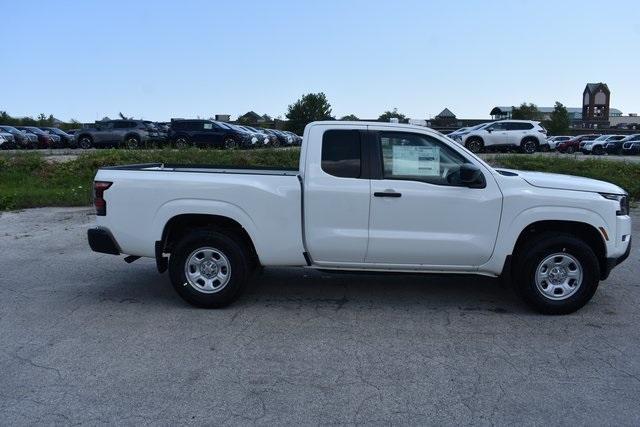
[(314, 219)]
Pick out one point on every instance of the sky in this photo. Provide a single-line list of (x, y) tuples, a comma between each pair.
[(155, 60)]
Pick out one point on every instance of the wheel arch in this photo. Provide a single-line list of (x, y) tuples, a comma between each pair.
[(581, 230), (177, 225)]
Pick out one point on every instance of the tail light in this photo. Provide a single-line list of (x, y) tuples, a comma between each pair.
[(99, 187)]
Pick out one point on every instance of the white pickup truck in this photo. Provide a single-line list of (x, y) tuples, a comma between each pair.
[(367, 196)]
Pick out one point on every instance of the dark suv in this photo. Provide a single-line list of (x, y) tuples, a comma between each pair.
[(206, 133), (116, 133)]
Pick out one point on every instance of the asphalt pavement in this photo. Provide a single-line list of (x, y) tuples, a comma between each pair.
[(88, 339)]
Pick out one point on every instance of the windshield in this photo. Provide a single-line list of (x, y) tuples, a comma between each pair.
[(223, 125), (10, 129), (33, 130), (601, 138)]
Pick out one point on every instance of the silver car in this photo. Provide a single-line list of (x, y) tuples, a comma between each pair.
[(116, 133)]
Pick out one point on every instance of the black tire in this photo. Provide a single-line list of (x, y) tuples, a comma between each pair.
[(474, 144), (85, 142), (598, 150), (181, 142), (230, 144), (529, 145), (530, 257), (131, 142), (225, 243), (570, 150)]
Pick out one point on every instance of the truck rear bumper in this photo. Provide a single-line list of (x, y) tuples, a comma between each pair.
[(101, 240)]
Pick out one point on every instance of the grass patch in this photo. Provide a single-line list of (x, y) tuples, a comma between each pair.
[(27, 180), (623, 174)]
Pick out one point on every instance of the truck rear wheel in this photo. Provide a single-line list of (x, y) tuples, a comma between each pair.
[(556, 273), (209, 269)]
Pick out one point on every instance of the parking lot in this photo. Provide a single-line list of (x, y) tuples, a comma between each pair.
[(89, 339)]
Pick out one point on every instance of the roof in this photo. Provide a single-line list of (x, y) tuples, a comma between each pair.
[(446, 113), (592, 87), (543, 110), (252, 114)]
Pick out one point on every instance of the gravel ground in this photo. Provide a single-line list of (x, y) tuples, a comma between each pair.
[(86, 338)]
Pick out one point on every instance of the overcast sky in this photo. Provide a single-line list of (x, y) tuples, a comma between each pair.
[(157, 60)]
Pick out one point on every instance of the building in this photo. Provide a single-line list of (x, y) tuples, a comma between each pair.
[(595, 105), (251, 118), (502, 113)]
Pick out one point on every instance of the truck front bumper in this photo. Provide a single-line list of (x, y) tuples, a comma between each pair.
[(101, 240), (613, 262)]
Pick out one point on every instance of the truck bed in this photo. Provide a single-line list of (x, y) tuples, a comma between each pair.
[(143, 198), (174, 167)]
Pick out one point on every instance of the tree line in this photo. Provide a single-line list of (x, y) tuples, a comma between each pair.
[(315, 106)]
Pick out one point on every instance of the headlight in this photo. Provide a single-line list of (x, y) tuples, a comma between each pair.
[(254, 139), (623, 199)]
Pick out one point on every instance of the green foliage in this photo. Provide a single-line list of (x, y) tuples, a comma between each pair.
[(349, 117), (560, 120), (526, 112), (623, 174), (309, 108), (28, 180), (387, 115)]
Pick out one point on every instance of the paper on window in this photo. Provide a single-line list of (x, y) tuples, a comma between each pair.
[(416, 160), (208, 126)]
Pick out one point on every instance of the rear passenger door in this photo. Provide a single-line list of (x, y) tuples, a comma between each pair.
[(336, 196)]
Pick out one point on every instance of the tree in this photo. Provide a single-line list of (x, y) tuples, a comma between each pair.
[(349, 117), (311, 107), (525, 112), (560, 120), (388, 115)]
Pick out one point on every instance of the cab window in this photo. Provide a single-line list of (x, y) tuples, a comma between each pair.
[(418, 157)]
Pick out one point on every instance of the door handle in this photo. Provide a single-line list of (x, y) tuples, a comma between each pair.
[(387, 194)]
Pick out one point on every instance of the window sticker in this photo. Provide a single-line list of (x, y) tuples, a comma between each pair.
[(416, 161), (208, 126)]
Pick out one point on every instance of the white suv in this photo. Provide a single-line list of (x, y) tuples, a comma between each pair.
[(525, 135)]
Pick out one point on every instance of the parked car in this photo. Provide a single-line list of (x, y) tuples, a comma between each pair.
[(598, 145), (64, 139), (614, 145), (525, 135), (116, 133), (206, 133), (573, 145), (631, 144), (44, 140), (459, 134), (296, 139), (553, 141), (7, 141), (281, 138), (256, 138), (21, 139), (556, 236), (263, 137), (4, 142)]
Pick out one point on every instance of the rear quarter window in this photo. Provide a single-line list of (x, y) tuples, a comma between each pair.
[(342, 153)]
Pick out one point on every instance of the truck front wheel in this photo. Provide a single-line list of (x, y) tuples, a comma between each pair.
[(209, 269), (556, 273)]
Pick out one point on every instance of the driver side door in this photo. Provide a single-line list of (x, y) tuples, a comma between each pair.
[(420, 216), (497, 134)]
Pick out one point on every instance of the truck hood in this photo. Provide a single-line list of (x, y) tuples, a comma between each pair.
[(566, 182)]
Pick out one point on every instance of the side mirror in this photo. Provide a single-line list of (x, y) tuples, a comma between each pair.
[(471, 176), (489, 130)]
